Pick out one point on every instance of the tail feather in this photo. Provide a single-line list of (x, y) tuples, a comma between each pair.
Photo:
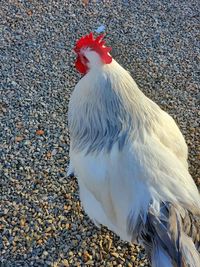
[(169, 240), (160, 258), (191, 256)]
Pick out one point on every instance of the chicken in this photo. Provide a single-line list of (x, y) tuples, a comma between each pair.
[(130, 159)]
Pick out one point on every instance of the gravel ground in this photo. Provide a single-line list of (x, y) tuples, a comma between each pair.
[(41, 220)]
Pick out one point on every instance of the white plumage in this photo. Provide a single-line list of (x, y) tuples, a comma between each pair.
[(130, 159)]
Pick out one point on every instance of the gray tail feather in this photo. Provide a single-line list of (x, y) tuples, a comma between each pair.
[(190, 254), (160, 258), (166, 240)]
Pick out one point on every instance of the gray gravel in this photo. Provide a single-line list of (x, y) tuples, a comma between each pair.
[(41, 220)]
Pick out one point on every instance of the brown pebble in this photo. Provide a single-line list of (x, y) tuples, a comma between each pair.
[(86, 256)]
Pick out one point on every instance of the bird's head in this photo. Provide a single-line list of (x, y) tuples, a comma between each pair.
[(91, 53)]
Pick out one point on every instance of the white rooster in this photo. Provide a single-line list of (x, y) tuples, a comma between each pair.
[(130, 159)]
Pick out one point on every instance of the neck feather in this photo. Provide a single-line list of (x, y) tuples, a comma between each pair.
[(112, 110)]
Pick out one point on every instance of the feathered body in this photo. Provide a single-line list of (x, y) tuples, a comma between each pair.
[(130, 159)]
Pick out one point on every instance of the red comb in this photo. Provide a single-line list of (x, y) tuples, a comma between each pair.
[(98, 45)]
